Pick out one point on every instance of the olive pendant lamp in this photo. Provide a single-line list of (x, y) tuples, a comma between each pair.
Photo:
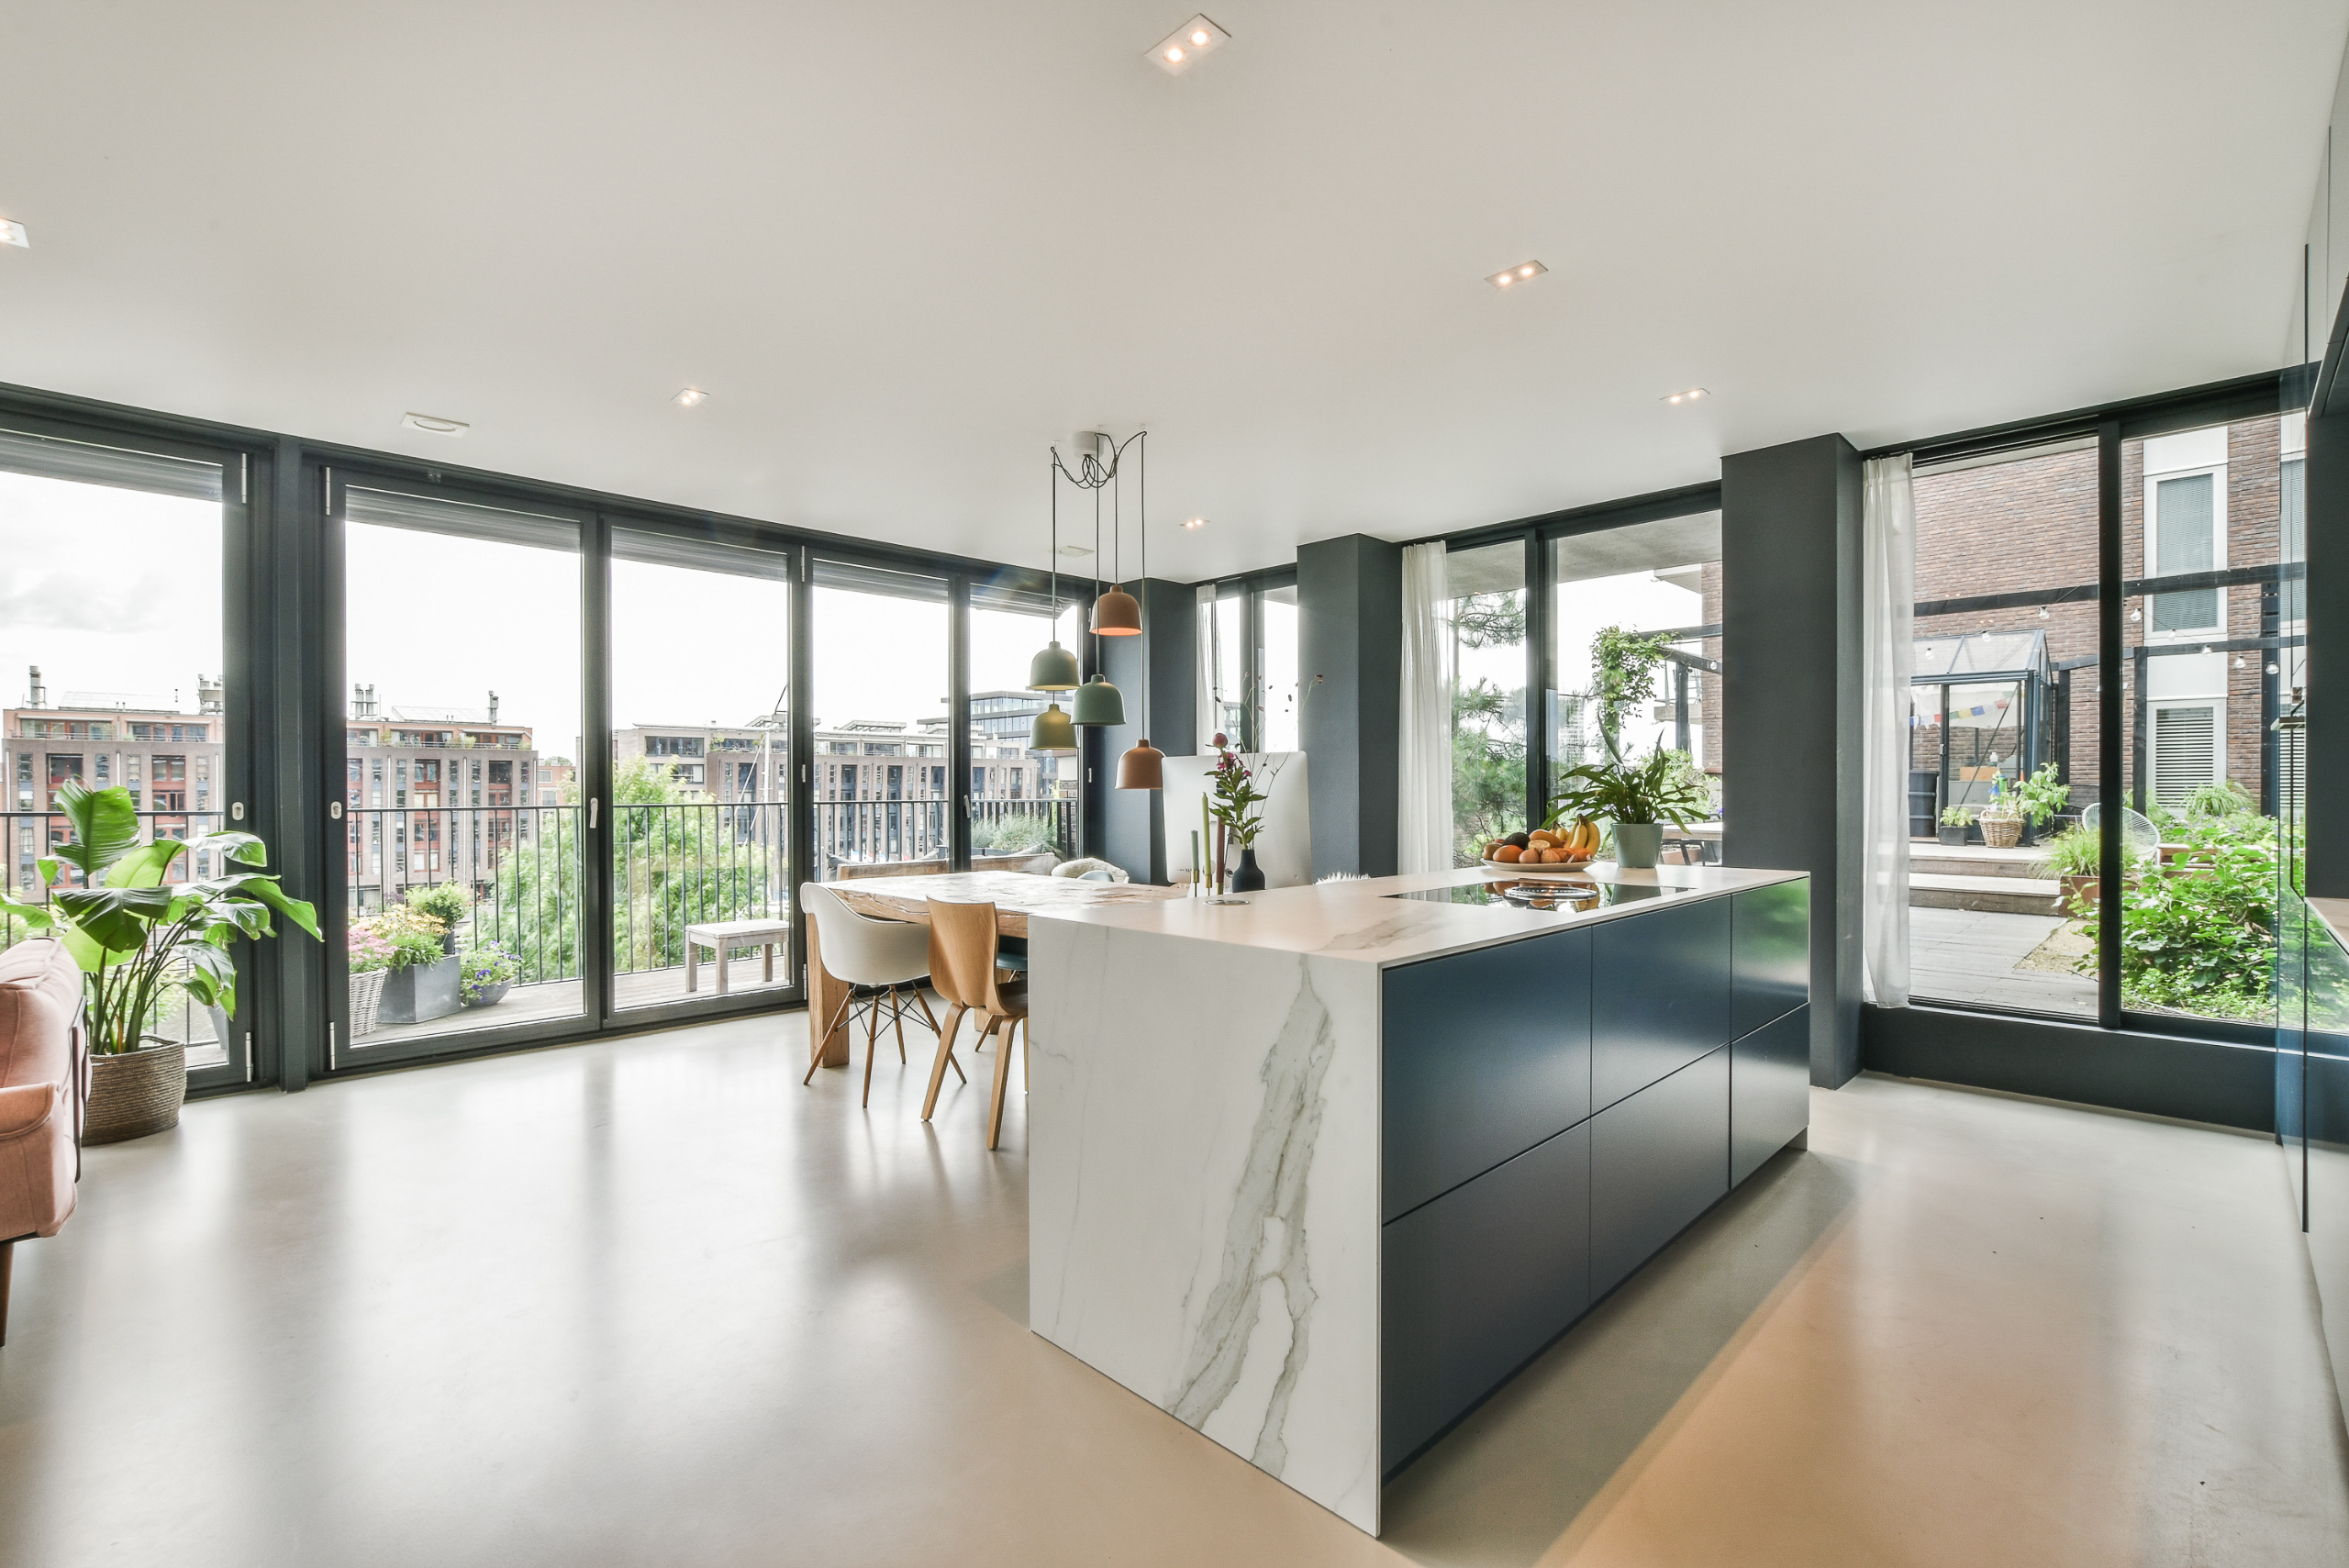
[(1097, 703), (1054, 668), (1052, 735), (1144, 767)]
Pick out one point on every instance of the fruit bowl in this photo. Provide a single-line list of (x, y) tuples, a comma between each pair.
[(1537, 868)]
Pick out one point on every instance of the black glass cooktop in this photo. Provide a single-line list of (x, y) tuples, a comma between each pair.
[(1553, 895)]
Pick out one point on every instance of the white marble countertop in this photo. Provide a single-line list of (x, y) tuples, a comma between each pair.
[(1359, 920)]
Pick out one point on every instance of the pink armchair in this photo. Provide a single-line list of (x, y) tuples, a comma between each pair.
[(42, 1067)]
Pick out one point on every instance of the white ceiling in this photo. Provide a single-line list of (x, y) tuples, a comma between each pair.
[(905, 246)]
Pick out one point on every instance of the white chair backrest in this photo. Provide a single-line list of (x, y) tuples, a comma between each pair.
[(1098, 876), (863, 951)]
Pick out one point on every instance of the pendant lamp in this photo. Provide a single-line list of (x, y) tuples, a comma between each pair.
[(1052, 735), (1054, 668), (1144, 767), (1097, 701), (1115, 612)]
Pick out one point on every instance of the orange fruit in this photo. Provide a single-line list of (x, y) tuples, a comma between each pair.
[(1506, 853)]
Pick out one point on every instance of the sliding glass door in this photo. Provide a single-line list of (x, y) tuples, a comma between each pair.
[(883, 776), (117, 671)]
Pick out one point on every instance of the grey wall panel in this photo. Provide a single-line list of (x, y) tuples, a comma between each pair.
[(1485, 1054), (1164, 657), (1350, 637), (1660, 995), (1790, 702), (1657, 1160), (1769, 1091), (1771, 963), (1476, 1282)]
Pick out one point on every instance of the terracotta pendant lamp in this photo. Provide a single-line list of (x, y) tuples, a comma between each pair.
[(1144, 767), (1115, 612)]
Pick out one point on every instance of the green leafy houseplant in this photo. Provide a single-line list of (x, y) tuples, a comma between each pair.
[(135, 937), (1957, 817), (1656, 789), (2040, 796), (446, 901), (2072, 852)]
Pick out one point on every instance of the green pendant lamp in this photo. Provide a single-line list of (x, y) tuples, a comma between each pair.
[(1052, 735), (1054, 668), (1097, 703), (1145, 766)]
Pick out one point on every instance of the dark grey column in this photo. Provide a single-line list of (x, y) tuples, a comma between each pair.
[(1350, 634), (1790, 704), (1166, 657)]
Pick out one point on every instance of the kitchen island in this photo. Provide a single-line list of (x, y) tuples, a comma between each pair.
[(1316, 1173)]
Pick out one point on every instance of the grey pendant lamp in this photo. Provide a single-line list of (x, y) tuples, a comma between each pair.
[(1097, 703), (1144, 767), (1054, 668)]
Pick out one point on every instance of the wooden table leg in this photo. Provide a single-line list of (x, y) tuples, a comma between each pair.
[(766, 969), (824, 993), (721, 966), (693, 964)]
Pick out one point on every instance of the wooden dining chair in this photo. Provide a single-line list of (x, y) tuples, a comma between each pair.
[(964, 971)]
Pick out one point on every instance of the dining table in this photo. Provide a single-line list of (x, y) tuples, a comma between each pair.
[(1015, 895)]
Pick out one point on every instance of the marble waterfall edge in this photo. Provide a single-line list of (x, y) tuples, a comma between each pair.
[(1203, 1190)]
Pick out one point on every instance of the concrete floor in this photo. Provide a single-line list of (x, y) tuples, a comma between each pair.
[(653, 1302)]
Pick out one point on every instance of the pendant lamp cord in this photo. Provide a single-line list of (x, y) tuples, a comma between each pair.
[(1143, 436), (1053, 480)]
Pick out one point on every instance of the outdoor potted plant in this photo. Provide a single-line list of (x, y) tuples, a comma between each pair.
[(449, 903), (1956, 822), (140, 942), (487, 972), (2040, 796), (420, 983), (1638, 798), (2071, 858), (369, 966), (2002, 821)]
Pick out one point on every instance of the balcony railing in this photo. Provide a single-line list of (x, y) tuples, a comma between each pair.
[(881, 836)]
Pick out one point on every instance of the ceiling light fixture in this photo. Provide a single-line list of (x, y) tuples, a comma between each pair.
[(13, 233), (433, 425), (1518, 274), (1195, 39), (1691, 395), (1194, 522), (690, 397)]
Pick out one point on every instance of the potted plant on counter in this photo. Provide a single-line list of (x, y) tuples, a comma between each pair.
[(141, 943), (1638, 798), (1237, 805), (1956, 822)]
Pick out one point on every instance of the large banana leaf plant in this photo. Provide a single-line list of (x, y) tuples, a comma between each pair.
[(134, 935)]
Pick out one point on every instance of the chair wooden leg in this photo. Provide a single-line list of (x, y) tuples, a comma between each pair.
[(816, 1050), (923, 1003), (898, 1017), (8, 1261), (945, 1057), (872, 1044), (1002, 1078)]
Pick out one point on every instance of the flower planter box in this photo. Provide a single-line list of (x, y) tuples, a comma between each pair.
[(420, 992)]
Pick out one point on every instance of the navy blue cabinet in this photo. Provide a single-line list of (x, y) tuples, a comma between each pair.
[(1769, 1091), (1660, 995), (1657, 1160), (1771, 955), (1484, 1054), (1476, 1282)]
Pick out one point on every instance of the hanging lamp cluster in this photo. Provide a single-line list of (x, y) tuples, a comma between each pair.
[(1097, 703)]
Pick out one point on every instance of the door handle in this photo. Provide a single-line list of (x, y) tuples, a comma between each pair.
[(334, 811), (592, 804)]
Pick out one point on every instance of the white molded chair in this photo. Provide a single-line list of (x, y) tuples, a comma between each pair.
[(881, 961)]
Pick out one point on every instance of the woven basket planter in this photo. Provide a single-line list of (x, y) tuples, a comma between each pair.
[(2001, 833), (366, 996), (136, 1092)]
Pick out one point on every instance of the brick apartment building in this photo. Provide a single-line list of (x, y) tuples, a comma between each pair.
[(2197, 501), (168, 759), (432, 794)]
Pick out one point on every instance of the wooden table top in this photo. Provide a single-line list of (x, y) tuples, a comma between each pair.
[(1015, 895)]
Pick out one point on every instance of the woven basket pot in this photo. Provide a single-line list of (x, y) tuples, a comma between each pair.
[(136, 1092), (366, 996), (2001, 833)]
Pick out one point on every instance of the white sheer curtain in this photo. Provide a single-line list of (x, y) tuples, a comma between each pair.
[(1424, 767), (1210, 707), (1888, 563)]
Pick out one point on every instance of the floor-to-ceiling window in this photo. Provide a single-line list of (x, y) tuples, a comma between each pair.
[(463, 816), (1023, 806), (1486, 647), (1248, 675), (883, 729), (701, 758), (115, 670)]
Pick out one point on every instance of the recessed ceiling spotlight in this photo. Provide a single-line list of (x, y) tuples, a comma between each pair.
[(1077, 550), (1509, 276), (1690, 395), (13, 233), (1194, 522), (433, 425), (1186, 43), (690, 396)]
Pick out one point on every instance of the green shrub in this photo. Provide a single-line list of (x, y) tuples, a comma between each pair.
[(2199, 936)]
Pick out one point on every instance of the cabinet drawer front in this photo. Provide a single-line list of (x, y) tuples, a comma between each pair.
[(1657, 1160), (1484, 1055), (1479, 1280), (1773, 954), (1769, 1091), (1660, 985)]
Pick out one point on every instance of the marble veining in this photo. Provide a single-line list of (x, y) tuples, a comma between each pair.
[(1266, 1222)]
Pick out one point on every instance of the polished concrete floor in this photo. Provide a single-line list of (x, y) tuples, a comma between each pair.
[(651, 1302)]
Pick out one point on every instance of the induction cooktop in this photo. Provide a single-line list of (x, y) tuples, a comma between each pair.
[(1549, 894)]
